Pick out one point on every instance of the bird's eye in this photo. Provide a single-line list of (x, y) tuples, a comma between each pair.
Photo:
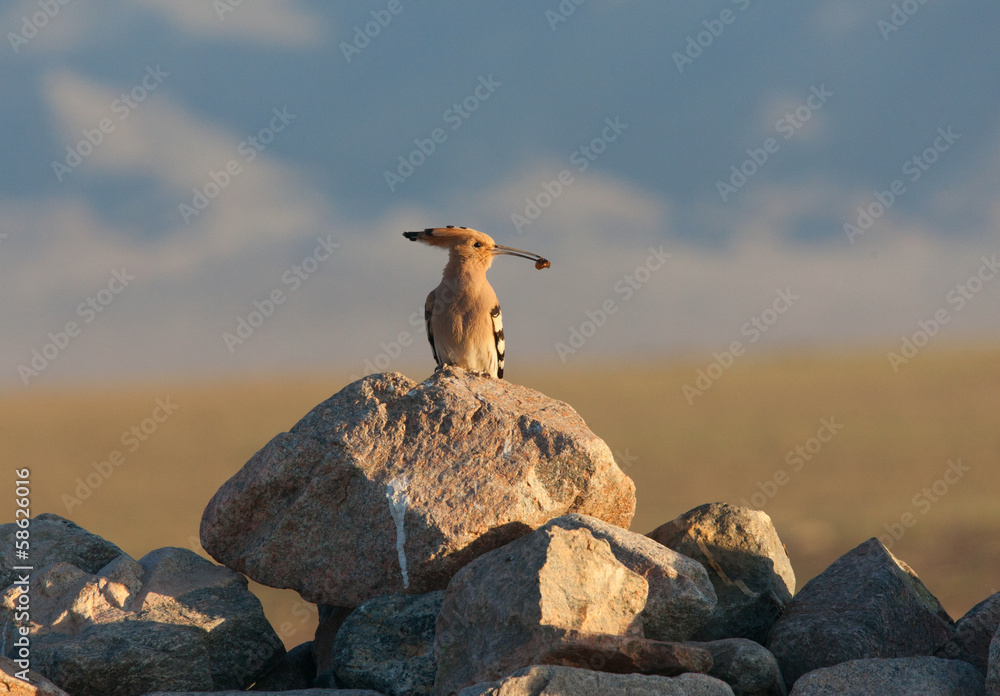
[(477, 244)]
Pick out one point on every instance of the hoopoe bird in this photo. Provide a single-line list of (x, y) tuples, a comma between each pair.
[(464, 325)]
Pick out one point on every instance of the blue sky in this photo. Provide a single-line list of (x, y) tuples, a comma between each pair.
[(648, 111)]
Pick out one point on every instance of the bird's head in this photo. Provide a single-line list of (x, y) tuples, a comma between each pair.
[(468, 246)]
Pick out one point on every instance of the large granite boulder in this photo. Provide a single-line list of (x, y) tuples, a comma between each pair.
[(867, 604), (392, 486), (746, 563)]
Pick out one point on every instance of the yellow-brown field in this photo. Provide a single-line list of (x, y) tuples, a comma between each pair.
[(899, 432)]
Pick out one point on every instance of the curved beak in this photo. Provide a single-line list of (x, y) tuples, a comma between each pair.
[(540, 262)]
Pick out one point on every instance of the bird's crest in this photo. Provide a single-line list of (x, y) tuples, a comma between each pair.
[(447, 236), (471, 243)]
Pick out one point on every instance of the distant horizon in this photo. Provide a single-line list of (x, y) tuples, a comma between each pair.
[(419, 369)]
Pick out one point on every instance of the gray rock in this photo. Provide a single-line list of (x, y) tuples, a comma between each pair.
[(36, 684), (746, 563), (901, 676), (681, 598), (547, 680), (993, 667), (512, 607), (387, 645), (180, 586), (331, 618), (294, 692), (627, 654), (169, 621), (123, 659), (866, 604), (748, 667), (296, 670), (55, 539), (325, 680), (973, 633), (392, 486)]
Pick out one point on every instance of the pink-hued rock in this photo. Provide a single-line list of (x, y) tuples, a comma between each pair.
[(392, 486), (681, 598), (512, 607)]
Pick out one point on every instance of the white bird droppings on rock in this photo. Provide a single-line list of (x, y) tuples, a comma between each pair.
[(398, 502)]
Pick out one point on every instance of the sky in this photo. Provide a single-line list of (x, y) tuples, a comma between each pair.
[(196, 187)]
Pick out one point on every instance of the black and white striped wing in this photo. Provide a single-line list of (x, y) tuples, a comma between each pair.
[(428, 312), (498, 338)]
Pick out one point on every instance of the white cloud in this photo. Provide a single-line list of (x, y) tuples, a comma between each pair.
[(900, 271), (771, 211), (272, 23), (191, 281), (838, 18), (266, 202), (157, 137), (589, 208), (846, 294), (81, 25), (64, 25), (52, 246), (979, 190), (790, 117)]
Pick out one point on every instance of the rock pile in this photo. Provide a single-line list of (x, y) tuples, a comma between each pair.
[(468, 536), (105, 624)]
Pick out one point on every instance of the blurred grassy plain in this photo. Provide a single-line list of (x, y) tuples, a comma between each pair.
[(899, 433)]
